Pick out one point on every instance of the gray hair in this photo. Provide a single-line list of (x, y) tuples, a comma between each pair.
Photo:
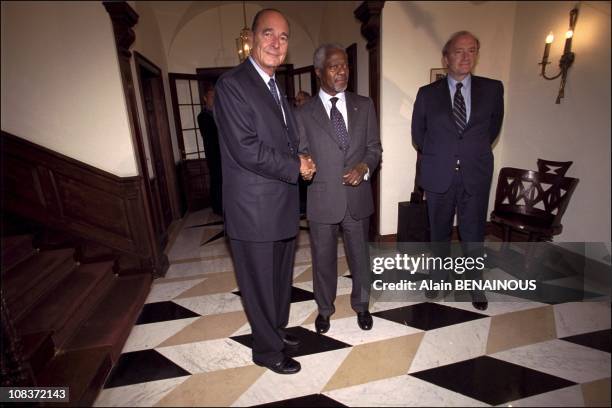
[(321, 53), (451, 40)]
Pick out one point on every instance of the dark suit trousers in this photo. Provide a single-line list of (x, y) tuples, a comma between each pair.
[(264, 272), (324, 247), (471, 212)]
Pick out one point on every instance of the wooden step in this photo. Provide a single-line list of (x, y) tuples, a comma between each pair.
[(34, 278), (62, 311), (16, 249), (38, 349), (82, 371), (92, 252), (112, 320)]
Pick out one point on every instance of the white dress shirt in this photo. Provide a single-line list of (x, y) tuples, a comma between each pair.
[(341, 105), (266, 78)]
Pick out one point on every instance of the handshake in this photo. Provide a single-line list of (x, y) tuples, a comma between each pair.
[(307, 167)]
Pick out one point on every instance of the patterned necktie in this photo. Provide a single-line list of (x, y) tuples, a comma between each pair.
[(459, 112), (272, 86), (338, 123)]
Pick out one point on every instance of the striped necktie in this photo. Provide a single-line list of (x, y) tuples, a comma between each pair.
[(459, 112)]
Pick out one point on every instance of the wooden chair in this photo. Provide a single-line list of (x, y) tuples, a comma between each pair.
[(531, 202), (553, 167)]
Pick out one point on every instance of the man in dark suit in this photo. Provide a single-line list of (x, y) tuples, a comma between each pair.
[(261, 166), (454, 123), (210, 138), (340, 131)]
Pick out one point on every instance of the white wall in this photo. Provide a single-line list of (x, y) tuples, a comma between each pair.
[(208, 40), (578, 128), (413, 34), (61, 85)]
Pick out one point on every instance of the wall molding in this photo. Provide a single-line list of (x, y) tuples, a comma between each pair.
[(65, 194)]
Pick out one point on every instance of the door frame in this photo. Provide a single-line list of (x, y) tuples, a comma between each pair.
[(160, 141)]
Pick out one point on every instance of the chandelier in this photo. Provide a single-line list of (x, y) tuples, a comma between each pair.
[(242, 42)]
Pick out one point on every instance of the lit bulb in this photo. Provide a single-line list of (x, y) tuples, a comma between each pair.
[(550, 38), (569, 34)]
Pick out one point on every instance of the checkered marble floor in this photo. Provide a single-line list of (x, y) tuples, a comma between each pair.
[(190, 346)]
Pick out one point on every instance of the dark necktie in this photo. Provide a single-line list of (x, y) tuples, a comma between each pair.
[(272, 86), (459, 112), (338, 123)]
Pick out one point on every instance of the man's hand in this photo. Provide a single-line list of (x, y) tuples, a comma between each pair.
[(354, 177), (307, 167)]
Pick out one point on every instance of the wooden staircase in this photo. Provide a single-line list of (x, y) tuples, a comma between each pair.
[(66, 313)]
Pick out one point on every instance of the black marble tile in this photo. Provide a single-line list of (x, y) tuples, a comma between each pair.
[(297, 295), (313, 400), (311, 342), (491, 380), (428, 316), (163, 311), (599, 340), (142, 366)]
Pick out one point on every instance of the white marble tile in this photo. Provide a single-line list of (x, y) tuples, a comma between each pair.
[(579, 283), (451, 344), (402, 391), (498, 304), (348, 331), (565, 397), (210, 355), (316, 371), (212, 304), (137, 395), (161, 291), (200, 267), (298, 312), (581, 317), (345, 286), (562, 359), (146, 336)]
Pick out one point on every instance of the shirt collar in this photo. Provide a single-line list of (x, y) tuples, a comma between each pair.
[(266, 78), (467, 82), (325, 97)]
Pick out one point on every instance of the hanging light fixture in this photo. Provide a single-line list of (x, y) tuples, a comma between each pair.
[(242, 42)]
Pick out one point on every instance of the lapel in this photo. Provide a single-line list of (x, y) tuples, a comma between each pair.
[(475, 98), (445, 102), (263, 91), (321, 118), (352, 111)]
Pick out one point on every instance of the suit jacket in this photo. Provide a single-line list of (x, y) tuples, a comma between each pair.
[(328, 198), (435, 135), (258, 158)]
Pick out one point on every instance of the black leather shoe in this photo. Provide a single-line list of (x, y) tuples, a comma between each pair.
[(322, 324), (479, 300), (285, 366), (291, 341), (364, 320), (431, 294)]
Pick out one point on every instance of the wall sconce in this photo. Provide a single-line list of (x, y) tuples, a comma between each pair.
[(567, 59), (242, 42)]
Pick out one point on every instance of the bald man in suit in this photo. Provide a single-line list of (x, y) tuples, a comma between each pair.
[(261, 166), (454, 123), (339, 129)]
